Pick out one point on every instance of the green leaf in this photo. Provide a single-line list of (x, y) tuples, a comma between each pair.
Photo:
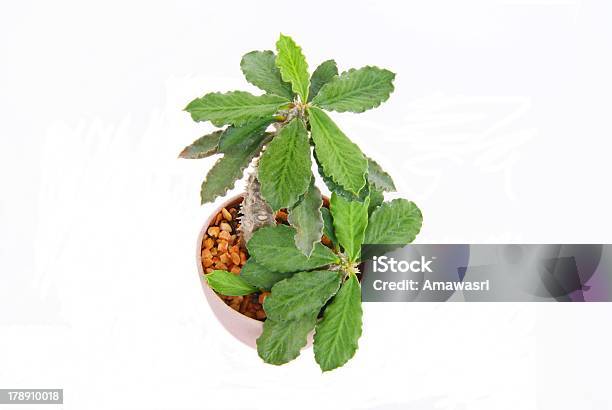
[(328, 226), (228, 284), (280, 342), (306, 218), (235, 107), (323, 74), (356, 90), (259, 68), (333, 187), (376, 199), (304, 293), (233, 136), (336, 336), (285, 166), (394, 223), (260, 276), (202, 147), (228, 169), (274, 247), (379, 178), (340, 158), (292, 65), (350, 222)]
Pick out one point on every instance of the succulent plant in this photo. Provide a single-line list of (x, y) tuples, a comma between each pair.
[(312, 286)]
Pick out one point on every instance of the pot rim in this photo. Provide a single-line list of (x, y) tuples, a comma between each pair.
[(201, 273)]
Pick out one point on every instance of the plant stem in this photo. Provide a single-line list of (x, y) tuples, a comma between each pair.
[(256, 213)]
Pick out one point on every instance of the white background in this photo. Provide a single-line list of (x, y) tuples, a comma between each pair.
[(499, 128)]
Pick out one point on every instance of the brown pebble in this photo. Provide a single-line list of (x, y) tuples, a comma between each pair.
[(222, 246), (235, 258), (244, 306), (225, 258), (209, 243), (214, 231), (225, 227), (226, 214), (235, 269), (207, 262), (225, 236), (218, 218)]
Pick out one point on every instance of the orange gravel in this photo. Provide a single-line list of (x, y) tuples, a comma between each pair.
[(223, 249)]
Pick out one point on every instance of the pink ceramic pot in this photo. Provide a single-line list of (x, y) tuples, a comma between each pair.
[(242, 327)]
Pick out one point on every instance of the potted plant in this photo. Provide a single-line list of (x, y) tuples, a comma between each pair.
[(283, 253)]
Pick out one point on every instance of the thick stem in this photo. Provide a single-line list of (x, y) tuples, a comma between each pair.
[(254, 209)]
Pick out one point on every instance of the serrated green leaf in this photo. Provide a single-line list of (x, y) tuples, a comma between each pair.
[(304, 293), (233, 136), (376, 199), (323, 74), (274, 247), (333, 187), (337, 335), (285, 166), (292, 65), (260, 276), (356, 90), (230, 168), (328, 226), (340, 158), (350, 222), (281, 342), (379, 178), (306, 218), (235, 107), (202, 147), (228, 284), (259, 68), (396, 222)]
